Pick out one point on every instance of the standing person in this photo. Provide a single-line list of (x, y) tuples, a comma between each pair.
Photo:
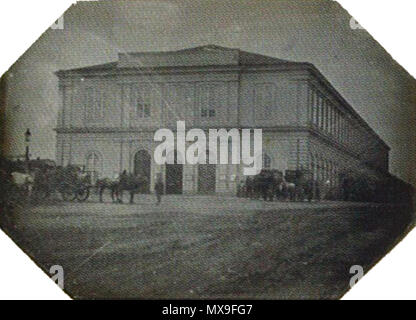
[(159, 189), (249, 187), (120, 185), (240, 189)]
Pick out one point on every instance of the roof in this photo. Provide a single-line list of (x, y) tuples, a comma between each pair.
[(244, 57), (97, 67), (237, 57)]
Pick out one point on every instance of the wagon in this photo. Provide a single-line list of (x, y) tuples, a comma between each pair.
[(70, 182)]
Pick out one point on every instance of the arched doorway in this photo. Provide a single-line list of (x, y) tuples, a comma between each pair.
[(142, 167), (206, 178), (174, 173)]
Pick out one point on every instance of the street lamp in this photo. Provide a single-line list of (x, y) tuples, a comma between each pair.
[(27, 143)]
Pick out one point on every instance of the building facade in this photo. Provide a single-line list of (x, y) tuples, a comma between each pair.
[(110, 112)]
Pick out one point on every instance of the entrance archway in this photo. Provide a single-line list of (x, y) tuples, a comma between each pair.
[(174, 173), (206, 178), (142, 167)]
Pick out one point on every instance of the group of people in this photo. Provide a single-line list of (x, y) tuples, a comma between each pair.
[(134, 183), (268, 185), (271, 184)]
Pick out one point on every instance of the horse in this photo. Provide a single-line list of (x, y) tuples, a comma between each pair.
[(127, 182), (312, 190), (259, 185), (264, 185), (288, 190), (23, 182), (131, 183), (107, 183), (269, 184), (6, 188)]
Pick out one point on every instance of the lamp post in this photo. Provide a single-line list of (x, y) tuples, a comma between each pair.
[(27, 143)]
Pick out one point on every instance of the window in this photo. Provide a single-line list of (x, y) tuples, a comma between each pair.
[(336, 124), (339, 126), (207, 113), (89, 102), (314, 167), (330, 114), (349, 131), (209, 100), (316, 101), (143, 104), (264, 100), (326, 116), (346, 125), (318, 111), (322, 113), (333, 175), (344, 130), (94, 100), (318, 169), (327, 171), (178, 101), (314, 107)]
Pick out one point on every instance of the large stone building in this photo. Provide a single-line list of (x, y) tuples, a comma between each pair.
[(109, 114)]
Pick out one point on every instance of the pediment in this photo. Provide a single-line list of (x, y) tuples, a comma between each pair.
[(200, 56)]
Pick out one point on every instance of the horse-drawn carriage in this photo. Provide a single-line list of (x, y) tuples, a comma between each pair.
[(270, 184), (125, 182), (71, 182)]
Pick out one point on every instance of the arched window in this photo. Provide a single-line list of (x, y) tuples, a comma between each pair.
[(93, 165), (142, 167), (267, 161)]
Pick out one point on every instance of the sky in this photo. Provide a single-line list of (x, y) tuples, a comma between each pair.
[(316, 31)]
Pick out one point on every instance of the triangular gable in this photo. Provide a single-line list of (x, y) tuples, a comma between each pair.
[(199, 56)]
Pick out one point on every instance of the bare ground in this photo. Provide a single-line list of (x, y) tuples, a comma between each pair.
[(207, 247)]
